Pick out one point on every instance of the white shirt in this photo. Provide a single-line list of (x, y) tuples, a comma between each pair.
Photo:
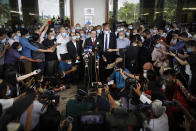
[(108, 40), (62, 49), (35, 114), (159, 124), (6, 103), (11, 41), (42, 36), (75, 45)]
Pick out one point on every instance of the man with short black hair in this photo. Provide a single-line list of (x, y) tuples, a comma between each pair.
[(27, 47)]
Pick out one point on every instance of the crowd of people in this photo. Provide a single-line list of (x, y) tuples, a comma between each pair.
[(129, 77)]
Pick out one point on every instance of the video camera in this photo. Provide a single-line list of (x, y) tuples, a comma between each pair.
[(49, 98), (131, 83)]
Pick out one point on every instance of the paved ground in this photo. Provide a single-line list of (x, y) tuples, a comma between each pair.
[(64, 97)]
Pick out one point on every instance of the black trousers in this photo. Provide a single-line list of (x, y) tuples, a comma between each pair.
[(51, 67)]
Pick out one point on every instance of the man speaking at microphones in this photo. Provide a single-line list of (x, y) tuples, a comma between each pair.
[(92, 44)]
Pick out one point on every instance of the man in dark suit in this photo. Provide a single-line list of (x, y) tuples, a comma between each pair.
[(107, 41), (74, 49), (92, 43)]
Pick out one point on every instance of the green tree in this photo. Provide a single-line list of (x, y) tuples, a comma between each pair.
[(128, 13), (170, 10)]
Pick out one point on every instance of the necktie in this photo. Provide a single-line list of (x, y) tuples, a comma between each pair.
[(106, 42), (93, 42)]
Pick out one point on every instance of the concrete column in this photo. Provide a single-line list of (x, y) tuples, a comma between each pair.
[(62, 8), (115, 10), (30, 11), (15, 11)]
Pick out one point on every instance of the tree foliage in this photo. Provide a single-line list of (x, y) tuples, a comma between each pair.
[(129, 13)]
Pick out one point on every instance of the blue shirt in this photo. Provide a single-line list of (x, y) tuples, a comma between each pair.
[(63, 66), (120, 81), (122, 43), (179, 46), (26, 47), (12, 56)]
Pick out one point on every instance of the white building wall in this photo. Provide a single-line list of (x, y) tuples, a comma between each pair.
[(99, 11)]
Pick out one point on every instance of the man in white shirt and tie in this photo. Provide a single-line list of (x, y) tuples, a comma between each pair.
[(63, 39)]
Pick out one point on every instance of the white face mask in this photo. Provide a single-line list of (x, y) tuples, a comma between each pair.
[(20, 49), (165, 64), (8, 93), (52, 37), (69, 62), (77, 37), (145, 74)]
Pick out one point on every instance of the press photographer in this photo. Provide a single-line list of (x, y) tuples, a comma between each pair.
[(190, 59)]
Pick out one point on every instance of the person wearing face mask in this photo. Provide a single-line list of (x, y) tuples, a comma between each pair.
[(67, 69), (92, 41), (3, 48), (189, 59), (50, 58), (38, 55), (5, 93), (18, 35), (180, 44), (78, 28), (147, 47), (78, 39), (107, 41), (159, 49), (74, 49), (99, 30), (62, 39), (83, 37), (27, 47), (122, 42), (12, 56), (12, 38)]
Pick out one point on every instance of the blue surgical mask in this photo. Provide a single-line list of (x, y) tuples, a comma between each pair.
[(15, 38), (64, 34), (78, 37), (19, 34), (120, 37), (52, 37), (83, 35), (118, 30), (73, 30), (69, 62), (189, 50), (78, 28), (20, 49), (130, 27), (3, 41), (86, 31), (158, 45), (127, 33), (8, 93), (27, 37), (165, 64), (73, 37), (88, 36), (98, 31)]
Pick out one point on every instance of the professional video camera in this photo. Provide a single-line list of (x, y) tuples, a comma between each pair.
[(131, 83), (119, 120), (49, 98)]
